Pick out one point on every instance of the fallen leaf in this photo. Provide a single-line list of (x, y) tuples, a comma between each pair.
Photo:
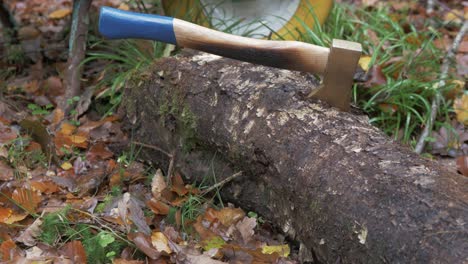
[(282, 250), (462, 64), (213, 242), (130, 211), (461, 109), (28, 32), (67, 129), (99, 151), (7, 134), (75, 251), (377, 77), (462, 165), (28, 237), (463, 46), (6, 172), (454, 16), (227, 215), (158, 207), (364, 62), (66, 165), (143, 243), (160, 242), (178, 185), (5, 213), (27, 199), (61, 13), (15, 217), (158, 184), (124, 6), (7, 250), (47, 187), (246, 228)]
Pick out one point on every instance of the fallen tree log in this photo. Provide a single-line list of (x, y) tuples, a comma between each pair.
[(327, 178)]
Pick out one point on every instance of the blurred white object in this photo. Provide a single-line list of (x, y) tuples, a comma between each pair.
[(254, 18)]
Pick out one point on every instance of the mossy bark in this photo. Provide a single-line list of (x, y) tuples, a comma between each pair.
[(327, 178)]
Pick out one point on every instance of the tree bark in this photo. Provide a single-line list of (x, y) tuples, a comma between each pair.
[(329, 179)]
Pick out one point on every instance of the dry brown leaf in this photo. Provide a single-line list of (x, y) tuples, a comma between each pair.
[(158, 184), (28, 32), (246, 228), (178, 185), (99, 151), (46, 187), (124, 6), (7, 134), (160, 242), (462, 165), (227, 216), (67, 129), (201, 227), (8, 215), (454, 16), (158, 207), (5, 213), (6, 172), (27, 199), (461, 109), (143, 243), (130, 212), (7, 250), (28, 237), (75, 251), (463, 46), (61, 13)]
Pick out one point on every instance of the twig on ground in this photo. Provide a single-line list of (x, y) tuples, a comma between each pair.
[(221, 183), (170, 169), (153, 147), (76, 54), (437, 98)]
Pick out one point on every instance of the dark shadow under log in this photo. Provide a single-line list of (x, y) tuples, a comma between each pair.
[(327, 178)]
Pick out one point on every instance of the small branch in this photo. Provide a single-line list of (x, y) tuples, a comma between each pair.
[(437, 98), (76, 54), (221, 183), (153, 147), (170, 170)]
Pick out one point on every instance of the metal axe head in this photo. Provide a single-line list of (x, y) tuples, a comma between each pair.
[(339, 73)]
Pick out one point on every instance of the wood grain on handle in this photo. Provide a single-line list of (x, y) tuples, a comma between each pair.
[(291, 55)]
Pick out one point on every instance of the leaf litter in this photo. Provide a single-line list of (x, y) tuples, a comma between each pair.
[(71, 179)]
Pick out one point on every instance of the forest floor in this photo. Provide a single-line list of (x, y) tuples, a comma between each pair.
[(66, 197)]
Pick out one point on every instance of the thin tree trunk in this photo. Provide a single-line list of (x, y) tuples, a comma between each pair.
[(76, 54)]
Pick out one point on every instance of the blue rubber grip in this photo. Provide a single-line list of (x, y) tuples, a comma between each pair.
[(118, 24)]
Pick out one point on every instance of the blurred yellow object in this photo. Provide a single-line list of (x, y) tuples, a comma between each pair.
[(274, 19)]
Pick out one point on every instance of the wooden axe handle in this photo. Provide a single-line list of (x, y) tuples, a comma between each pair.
[(291, 55)]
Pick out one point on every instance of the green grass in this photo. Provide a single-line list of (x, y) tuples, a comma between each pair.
[(125, 60), (407, 58), (101, 246)]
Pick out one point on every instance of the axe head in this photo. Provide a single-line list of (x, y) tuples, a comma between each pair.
[(339, 74)]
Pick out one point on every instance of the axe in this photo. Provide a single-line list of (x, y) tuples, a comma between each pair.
[(337, 64)]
